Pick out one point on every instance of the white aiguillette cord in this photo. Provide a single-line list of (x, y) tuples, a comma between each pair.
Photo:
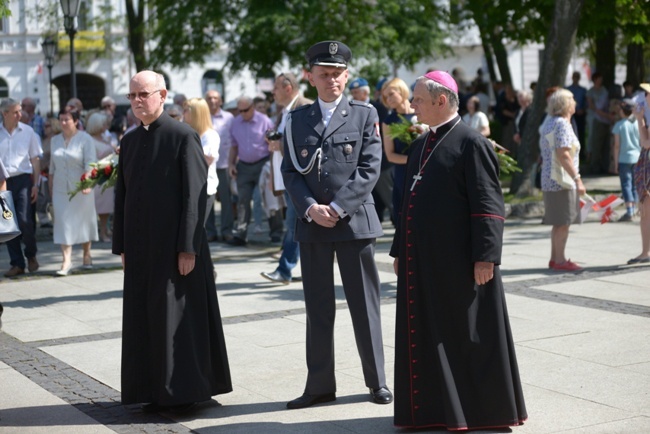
[(418, 176), (292, 151)]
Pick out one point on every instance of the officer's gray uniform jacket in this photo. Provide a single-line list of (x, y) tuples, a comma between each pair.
[(349, 169)]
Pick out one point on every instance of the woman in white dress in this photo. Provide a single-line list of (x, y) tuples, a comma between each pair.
[(475, 118), (196, 113), (75, 221), (97, 125)]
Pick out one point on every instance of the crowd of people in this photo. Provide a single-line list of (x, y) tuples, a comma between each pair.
[(244, 163)]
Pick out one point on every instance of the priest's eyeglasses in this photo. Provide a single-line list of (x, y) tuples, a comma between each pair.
[(142, 95)]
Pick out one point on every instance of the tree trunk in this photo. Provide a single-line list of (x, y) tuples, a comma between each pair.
[(559, 43), (635, 64), (135, 23), (606, 57), (501, 54), (489, 59)]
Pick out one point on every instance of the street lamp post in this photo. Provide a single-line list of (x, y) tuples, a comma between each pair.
[(49, 50), (70, 12)]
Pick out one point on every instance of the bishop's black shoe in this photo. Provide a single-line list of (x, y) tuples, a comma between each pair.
[(381, 395), (308, 400)]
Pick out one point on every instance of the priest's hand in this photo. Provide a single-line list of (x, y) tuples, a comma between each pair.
[(186, 263), (483, 272), (323, 215)]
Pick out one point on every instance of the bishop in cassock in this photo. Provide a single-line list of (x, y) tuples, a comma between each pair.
[(455, 363), (173, 348)]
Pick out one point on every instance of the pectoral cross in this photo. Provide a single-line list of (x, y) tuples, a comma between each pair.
[(416, 178)]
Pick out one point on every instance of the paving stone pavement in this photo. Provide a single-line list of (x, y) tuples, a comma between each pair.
[(583, 342)]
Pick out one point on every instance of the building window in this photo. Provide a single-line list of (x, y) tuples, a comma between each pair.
[(4, 25), (4, 88), (213, 80)]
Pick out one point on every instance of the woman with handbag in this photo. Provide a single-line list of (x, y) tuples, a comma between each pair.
[(642, 177), (75, 220), (561, 183)]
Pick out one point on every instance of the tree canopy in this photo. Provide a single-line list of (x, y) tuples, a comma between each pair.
[(260, 34)]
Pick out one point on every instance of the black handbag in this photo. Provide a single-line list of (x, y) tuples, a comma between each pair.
[(8, 223)]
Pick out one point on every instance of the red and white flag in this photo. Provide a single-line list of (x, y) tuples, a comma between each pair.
[(604, 208)]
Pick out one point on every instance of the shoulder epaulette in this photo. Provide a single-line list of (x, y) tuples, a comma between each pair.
[(361, 104)]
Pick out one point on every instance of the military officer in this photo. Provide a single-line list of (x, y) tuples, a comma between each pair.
[(331, 164)]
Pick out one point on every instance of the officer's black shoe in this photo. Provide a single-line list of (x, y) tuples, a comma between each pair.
[(381, 395)]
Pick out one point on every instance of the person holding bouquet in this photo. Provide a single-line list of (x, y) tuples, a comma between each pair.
[(97, 126), (75, 221), (399, 131)]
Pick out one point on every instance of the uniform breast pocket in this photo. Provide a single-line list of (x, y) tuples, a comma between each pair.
[(306, 149), (346, 147)]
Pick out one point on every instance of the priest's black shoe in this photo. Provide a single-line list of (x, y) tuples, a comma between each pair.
[(275, 277), (381, 395), (308, 400)]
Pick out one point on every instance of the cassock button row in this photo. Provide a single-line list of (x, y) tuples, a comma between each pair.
[(411, 206), (415, 377), (411, 301), (413, 345), (416, 407), (409, 244), (416, 391), (412, 316), (414, 361), (412, 331)]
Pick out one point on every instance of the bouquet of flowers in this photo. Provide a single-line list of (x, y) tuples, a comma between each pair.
[(104, 172), (507, 164), (406, 131)]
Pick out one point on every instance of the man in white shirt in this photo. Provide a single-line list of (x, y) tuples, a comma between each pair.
[(20, 148)]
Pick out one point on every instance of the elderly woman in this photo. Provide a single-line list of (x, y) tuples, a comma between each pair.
[(97, 126), (475, 118), (395, 96), (560, 146), (75, 221), (197, 115), (642, 178)]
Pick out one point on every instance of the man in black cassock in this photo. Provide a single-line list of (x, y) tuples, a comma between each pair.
[(173, 347), (455, 363)]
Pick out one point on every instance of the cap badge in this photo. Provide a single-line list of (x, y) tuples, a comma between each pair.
[(304, 153), (334, 48)]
